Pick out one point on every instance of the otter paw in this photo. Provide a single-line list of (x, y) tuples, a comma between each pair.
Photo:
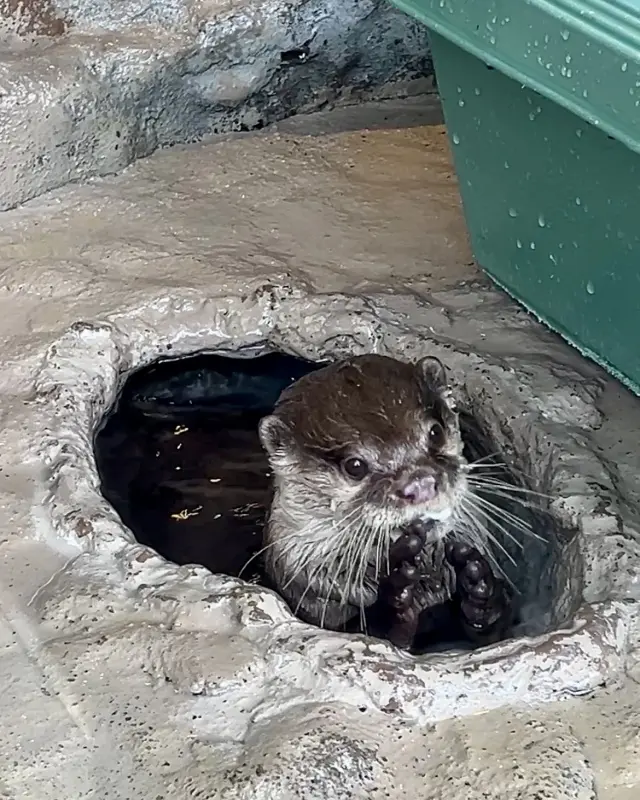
[(400, 598), (404, 574), (485, 602), (397, 589)]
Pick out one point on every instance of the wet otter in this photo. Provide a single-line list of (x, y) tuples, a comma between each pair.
[(367, 457), (181, 461)]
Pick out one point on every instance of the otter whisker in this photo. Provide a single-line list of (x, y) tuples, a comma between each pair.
[(310, 584), (313, 547), (473, 517), (350, 534), (499, 467), (508, 488), (478, 536), (508, 517), (485, 491), (472, 530), (484, 459), (365, 563), (494, 472), (356, 553), (357, 587), (388, 554), (344, 554), (480, 508), (303, 560), (324, 566), (466, 527), (305, 563), (307, 559), (492, 490), (376, 535), (292, 537), (484, 497), (379, 541), (493, 521)]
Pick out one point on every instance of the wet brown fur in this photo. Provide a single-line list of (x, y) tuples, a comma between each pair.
[(370, 407)]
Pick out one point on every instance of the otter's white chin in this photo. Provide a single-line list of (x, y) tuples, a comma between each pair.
[(441, 515), (426, 515)]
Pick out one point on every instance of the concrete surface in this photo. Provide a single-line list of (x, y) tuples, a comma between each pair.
[(125, 676), (87, 87)]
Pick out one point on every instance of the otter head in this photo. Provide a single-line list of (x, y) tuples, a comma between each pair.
[(370, 442)]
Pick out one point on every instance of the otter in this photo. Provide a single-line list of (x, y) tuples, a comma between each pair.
[(367, 459)]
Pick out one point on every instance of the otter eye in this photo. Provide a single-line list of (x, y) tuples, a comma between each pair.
[(436, 436), (355, 468)]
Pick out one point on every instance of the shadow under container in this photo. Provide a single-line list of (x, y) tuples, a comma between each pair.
[(542, 105)]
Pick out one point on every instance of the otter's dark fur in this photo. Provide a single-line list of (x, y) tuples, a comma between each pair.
[(360, 450)]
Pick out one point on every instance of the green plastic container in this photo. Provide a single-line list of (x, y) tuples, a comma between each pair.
[(542, 105)]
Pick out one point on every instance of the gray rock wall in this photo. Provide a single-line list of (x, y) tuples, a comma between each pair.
[(112, 81)]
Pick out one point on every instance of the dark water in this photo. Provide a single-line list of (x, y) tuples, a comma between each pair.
[(180, 459)]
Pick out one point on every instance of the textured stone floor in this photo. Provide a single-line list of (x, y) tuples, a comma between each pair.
[(110, 693)]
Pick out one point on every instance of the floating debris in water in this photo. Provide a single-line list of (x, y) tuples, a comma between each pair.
[(185, 513), (215, 480), (180, 429), (245, 510)]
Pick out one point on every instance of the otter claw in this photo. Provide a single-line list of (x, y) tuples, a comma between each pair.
[(476, 570), (410, 543), (403, 630), (421, 529), (481, 591), (404, 575), (413, 544), (403, 599), (406, 548), (459, 554), (475, 583)]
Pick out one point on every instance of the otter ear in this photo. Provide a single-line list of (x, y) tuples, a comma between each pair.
[(274, 435), (433, 372)]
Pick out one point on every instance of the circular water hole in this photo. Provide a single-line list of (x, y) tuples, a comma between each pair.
[(180, 460)]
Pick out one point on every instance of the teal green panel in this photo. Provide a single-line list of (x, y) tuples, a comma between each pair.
[(552, 204), (582, 54)]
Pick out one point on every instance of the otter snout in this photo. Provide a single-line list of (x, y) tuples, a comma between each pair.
[(417, 488)]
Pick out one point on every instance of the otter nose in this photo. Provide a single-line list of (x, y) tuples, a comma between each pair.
[(419, 488)]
